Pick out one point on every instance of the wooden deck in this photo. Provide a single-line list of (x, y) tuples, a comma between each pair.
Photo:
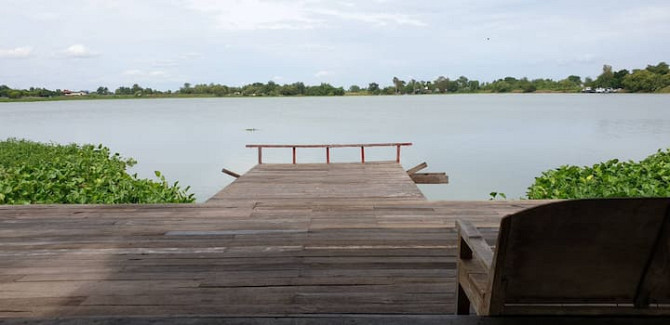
[(289, 184), (296, 240)]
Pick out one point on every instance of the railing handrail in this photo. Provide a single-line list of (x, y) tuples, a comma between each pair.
[(328, 146)]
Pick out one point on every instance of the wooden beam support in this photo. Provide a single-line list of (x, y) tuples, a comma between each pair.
[(430, 178), (417, 168)]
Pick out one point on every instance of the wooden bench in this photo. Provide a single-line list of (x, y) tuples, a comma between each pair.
[(578, 257)]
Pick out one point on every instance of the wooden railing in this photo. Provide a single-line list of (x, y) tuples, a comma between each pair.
[(328, 146)]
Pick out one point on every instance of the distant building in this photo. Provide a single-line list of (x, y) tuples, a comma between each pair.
[(75, 93)]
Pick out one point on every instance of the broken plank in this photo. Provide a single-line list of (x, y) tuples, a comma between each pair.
[(430, 178)]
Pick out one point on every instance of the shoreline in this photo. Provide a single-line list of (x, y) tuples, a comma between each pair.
[(125, 97)]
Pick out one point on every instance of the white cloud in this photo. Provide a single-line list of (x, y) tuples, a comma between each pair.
[(16, 53), (45, 16), (256, 14), (323, 73), (296, 14), (190, 55), (165, 63), (375, 19), (138, 75), (79, 51), (175, 61)]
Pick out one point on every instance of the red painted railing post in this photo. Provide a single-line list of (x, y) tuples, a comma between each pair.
[(294, 147)]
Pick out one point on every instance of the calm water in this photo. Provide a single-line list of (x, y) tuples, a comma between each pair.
[(485, 143)]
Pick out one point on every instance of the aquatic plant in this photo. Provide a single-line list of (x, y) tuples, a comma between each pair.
[(647, 178), (32, 172)]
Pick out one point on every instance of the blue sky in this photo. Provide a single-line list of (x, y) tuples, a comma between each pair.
[(77, 44)]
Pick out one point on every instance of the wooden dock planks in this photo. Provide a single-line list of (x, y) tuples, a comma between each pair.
[(398, 259), (271, 244), (372, 182)]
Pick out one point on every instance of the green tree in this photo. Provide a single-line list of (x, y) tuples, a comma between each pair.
[(389, 90), (398, 84), (373, 88), (606, 78), (4, 91), (577, 80), (644, 81), (410, 87), (618, 78), (102, 90), (441, 84), (123, 91), (136, 89), (473, 85), (526, 86), (660, 68), (501, 86), (354, 89), (14, 94), (462, 83), (270, 89), (186, 89), (588, 82)]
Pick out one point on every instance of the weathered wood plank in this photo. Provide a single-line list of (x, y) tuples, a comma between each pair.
[(430, 178), (344, 238), (417, 168)]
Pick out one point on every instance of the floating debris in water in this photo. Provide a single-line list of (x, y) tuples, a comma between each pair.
[(251, 130)]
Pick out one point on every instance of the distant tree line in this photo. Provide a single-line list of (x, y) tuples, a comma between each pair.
[(260, 89), (654, 78), (7, 92)]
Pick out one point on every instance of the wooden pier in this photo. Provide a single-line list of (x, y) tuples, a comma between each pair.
[(327, 184), (283, 240)]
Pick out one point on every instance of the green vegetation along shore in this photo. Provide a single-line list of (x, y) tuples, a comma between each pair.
[(649, 177), (32, 172), (38, 173), (652, 79)]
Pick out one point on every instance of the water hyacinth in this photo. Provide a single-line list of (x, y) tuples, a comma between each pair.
[(647, 178), (32, 172)]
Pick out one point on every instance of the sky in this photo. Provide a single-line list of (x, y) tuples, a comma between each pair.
[(83, 44)]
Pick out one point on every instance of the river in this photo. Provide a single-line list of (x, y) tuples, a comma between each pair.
[(485, 143)]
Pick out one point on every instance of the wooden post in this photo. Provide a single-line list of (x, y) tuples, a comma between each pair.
[(294, 155), (362, 155), (397, 154), (260, 155), (327, 155)]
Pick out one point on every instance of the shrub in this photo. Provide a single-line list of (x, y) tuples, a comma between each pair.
[(32, 172), (647, 178)]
